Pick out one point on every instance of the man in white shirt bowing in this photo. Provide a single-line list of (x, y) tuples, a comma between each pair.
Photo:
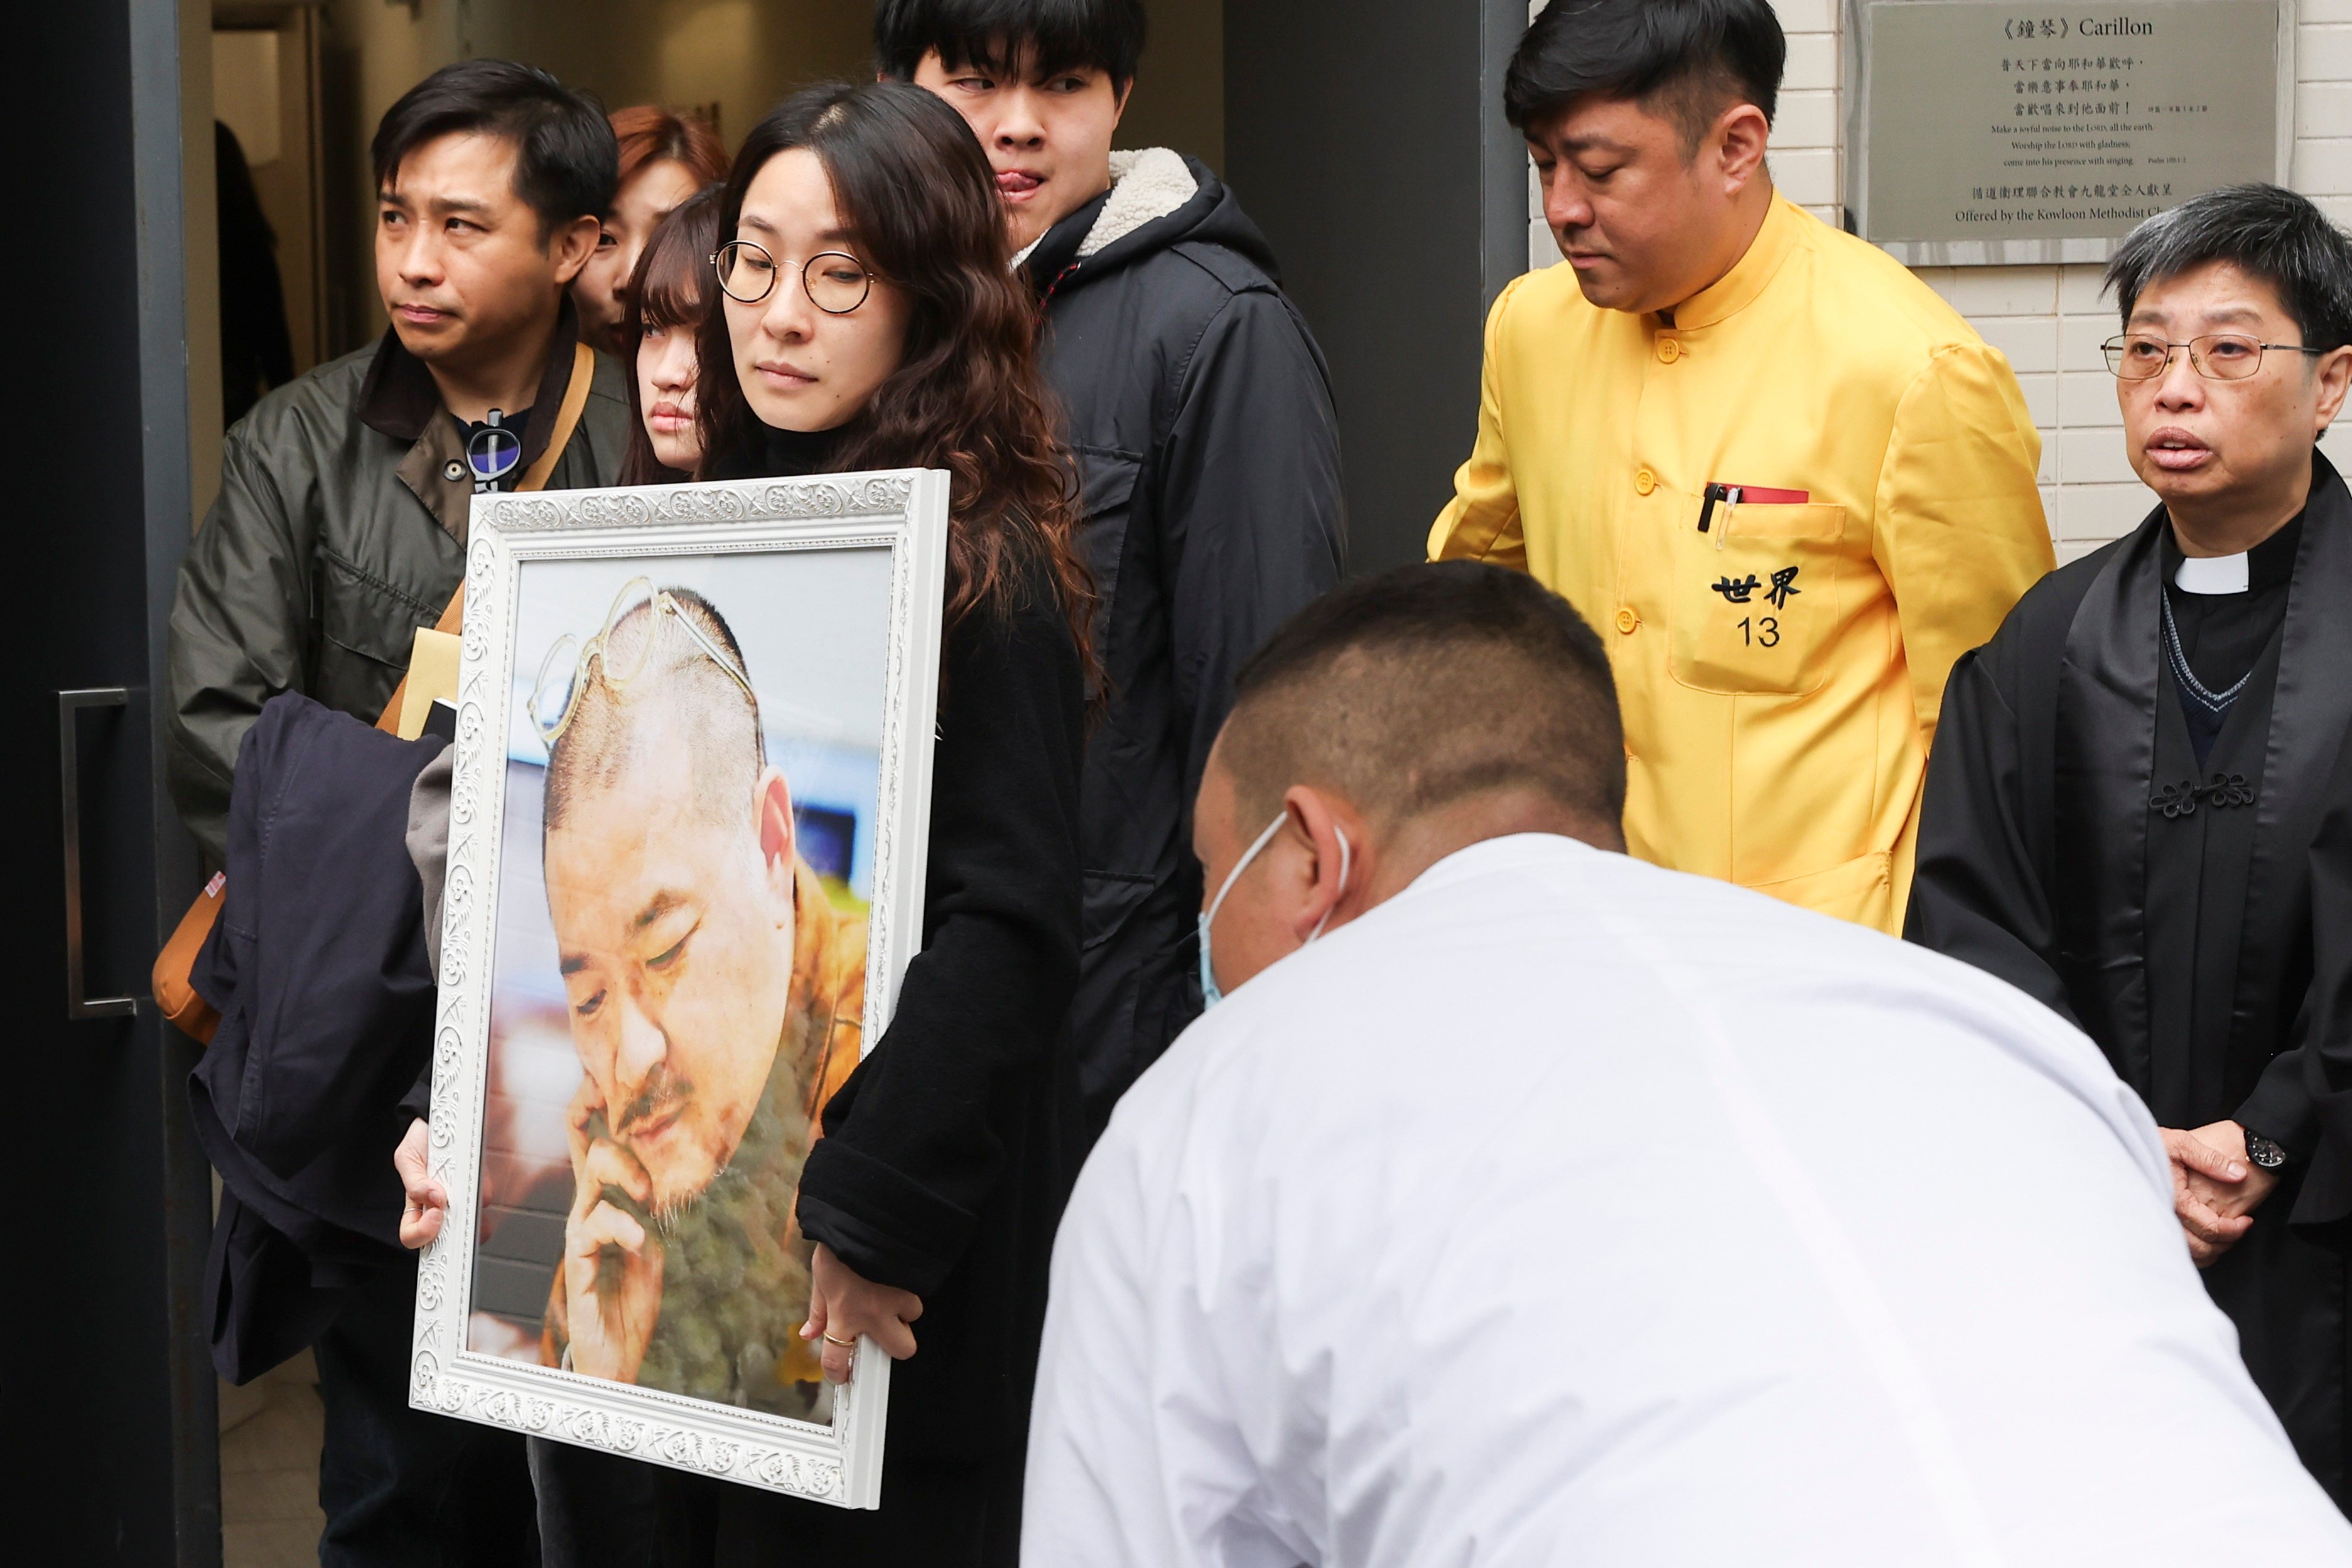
[(1554, 1207)]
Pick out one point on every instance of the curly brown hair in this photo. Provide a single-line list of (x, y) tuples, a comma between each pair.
[(968, 396)]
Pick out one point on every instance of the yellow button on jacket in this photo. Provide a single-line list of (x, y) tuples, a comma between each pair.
[(1780, 668)]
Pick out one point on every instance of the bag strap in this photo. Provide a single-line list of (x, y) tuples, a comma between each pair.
[(567, 420)]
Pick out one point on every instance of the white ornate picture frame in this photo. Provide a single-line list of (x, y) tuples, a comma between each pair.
[(766, 531)]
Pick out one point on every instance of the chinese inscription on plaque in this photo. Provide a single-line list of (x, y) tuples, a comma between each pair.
[(1986, 121)]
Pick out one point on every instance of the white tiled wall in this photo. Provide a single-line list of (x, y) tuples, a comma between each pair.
[(2048, 320)]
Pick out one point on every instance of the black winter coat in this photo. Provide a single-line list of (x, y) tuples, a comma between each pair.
[(1200, 412), (949, 1150)]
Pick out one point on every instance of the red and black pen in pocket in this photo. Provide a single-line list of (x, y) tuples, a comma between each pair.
[(1734, 495)]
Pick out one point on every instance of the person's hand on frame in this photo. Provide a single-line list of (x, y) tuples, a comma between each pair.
[(844, 1305), (428, 1200)]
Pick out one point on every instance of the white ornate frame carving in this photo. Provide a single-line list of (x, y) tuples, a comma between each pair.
[(904, 512)]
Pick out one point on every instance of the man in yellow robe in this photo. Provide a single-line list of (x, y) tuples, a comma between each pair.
[(1788, 483)]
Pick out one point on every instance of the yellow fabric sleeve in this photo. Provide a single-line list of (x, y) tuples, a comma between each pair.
[(1960, 533), (1482, 521)]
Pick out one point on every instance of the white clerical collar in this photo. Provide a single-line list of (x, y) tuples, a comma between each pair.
[(2212, 574)]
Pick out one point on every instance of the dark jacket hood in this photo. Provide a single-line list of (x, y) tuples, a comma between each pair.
[(1158, 199)]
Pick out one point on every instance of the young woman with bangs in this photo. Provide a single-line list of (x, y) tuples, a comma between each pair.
[(870, 321), (666, 298)]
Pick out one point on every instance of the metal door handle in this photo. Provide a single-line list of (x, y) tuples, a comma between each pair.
[(69, 704)]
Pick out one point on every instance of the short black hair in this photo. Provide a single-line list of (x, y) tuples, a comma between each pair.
[(1424, 685), (2266, 231), (567, 164), (1106, 35), (1694, 57)]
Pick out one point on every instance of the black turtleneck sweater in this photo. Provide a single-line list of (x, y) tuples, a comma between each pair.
[(788, 454), (775, 453)]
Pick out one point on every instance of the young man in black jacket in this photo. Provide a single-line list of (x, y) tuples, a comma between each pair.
[(1199, 410)]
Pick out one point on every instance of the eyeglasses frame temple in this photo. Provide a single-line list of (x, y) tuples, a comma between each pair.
[(662, 602)]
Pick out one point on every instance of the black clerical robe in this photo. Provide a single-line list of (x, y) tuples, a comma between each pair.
[(2072, 842), (2325, 1205)]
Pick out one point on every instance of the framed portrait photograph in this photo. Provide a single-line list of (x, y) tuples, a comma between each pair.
[(689, 810)]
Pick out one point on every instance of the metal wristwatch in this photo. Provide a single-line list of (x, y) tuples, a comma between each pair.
[(2265, 1152)]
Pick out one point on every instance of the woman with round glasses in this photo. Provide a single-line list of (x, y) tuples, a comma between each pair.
[(870, 321)]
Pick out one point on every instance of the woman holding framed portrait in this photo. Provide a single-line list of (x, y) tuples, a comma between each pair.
[(695, 1166), (869, 320)]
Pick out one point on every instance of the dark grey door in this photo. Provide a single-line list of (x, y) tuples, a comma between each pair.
[(107, 1396), (1369, 143)]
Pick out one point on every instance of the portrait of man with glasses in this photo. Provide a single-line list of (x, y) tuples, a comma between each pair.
[(2123, 798), (715, 995)]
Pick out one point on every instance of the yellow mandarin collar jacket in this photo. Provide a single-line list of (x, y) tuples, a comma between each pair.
[(1780, 669)]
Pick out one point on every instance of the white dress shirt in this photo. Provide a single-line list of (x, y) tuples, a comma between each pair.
[(1566, 1210)]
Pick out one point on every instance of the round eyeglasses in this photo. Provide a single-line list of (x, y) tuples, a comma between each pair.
[(835, 282), (2216, 356), (492, 451), (552, 706)]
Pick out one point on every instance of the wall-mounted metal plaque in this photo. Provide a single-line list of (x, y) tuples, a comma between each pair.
[(1999, 132)]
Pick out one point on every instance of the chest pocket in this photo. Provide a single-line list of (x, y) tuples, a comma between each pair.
[(367, 630), (1755, 599)]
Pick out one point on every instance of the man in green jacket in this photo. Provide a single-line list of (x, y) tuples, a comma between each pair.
[(340, 530), (341, 526)]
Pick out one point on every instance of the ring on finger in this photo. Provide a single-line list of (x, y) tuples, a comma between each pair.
[(845, 1343)]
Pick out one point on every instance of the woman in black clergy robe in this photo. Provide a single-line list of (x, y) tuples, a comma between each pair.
[(2128, 780)]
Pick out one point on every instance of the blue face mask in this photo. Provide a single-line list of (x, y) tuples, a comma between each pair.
[(1210, 994)]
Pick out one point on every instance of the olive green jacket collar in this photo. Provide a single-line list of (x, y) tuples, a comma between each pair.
[(401, 400)]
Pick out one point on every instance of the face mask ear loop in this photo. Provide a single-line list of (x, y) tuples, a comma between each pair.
[(1346, 856), (1210, 994), (1242, 865)]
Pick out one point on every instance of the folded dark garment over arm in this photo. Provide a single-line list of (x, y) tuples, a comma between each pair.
[(319, 968)]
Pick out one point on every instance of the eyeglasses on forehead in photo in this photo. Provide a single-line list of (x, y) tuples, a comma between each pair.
[(553, 705), (835, 282), (2216, 356)]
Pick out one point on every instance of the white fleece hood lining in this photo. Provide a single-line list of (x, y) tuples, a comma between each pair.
[(1147, 184)]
